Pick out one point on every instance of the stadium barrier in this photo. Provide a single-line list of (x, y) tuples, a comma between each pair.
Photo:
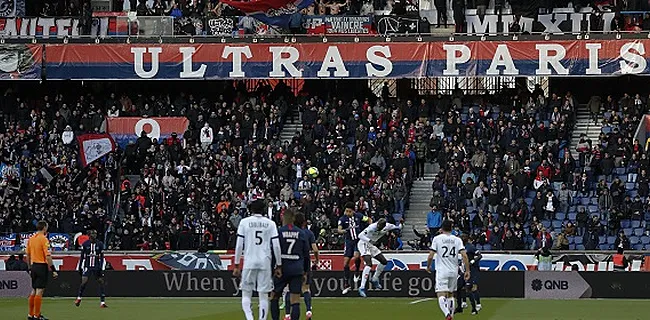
[(405, 284)]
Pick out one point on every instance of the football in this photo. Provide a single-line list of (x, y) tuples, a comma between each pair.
[(312, 172)]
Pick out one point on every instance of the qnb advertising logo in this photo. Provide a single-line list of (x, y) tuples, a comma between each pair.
[(8, 285), (538, 285)]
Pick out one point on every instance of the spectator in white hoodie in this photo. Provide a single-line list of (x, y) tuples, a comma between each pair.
[(67, 136), (206, 136)]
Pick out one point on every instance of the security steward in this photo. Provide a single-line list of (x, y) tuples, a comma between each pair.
[(39, 259), (619, 260)]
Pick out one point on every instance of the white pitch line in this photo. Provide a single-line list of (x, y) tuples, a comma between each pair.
[(421, 300)]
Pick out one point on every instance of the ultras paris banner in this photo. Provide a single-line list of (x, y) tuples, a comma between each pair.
[(347, 60)]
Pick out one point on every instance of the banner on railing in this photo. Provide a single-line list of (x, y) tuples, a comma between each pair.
[(338, 24), (222, 26), (391, 25), (24, 237), (21, 61), (8, 242), (117, 262), (347, 60), (125, 130), (12, 8), (49, 27), (59, 241)]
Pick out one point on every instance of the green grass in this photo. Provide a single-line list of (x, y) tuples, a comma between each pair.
[(329, 309)]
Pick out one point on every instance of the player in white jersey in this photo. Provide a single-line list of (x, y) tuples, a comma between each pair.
[(256, 236), (446, 248), (367, 247)]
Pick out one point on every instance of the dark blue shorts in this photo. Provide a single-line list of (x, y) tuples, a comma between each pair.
[(473, 278), (309, 279), (350, 248), (91, 272), (294, 283)]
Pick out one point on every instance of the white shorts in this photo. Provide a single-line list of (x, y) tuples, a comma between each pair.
[(368, 249), (256, 280), (445, 283)]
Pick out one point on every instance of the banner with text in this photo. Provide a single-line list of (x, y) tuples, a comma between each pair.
[(338, 24), (21, 61), (129, 129), (117, 262), (346, 60), (8, 242), (12, 8), (59, 241)]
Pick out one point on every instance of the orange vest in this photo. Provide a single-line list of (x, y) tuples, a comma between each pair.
[(618, 261)]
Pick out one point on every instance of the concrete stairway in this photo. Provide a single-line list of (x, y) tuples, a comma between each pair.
[(584, 125), (289, 128), (421, 193)]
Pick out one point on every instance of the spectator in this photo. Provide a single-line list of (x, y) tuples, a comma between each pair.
[(434, 221), (10, 263)]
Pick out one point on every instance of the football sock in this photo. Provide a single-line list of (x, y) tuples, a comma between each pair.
[(275, 309), (378, 271), (442, 302), (246, 300), (82, 288), (451, 307), (287, 303), (31, 305), (346, 275), (307, 296), (102, 292), (295, 311), (357, 265), (472, 300), (38, 301), (264, 306), (364, 277)]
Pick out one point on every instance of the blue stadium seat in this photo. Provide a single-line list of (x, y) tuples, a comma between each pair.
[(572, 216), (629, 186), (604, 247), (606, 130), (560, 216), (628, 232), (487, 247), (580, 247), (577, 240), (530, 194), (479, 247), (619, 171), (571, 239), (584, 201), (635, 224), (572, 246), (603, 239), (529, 201), (645, 239), (622, 176), (626, 223), (633, 193), (593, 209), (634, 240), (637, 246), (611, 240), (557, 225), (546, 224), (638, 232), (594, 201), (471, 216)]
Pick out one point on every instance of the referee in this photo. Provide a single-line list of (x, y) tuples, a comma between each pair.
[(39, 260)]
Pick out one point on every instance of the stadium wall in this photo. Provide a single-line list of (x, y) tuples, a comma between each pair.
[(406, 284)]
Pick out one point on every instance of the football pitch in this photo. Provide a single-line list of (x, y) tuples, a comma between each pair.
[(329, 309)]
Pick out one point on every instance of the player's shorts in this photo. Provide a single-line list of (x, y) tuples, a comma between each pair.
[(473, 278), (256, 280), (309, 279), (446, 283), (293, 281), (92, 272), (40, 274), (368, 249), (350, 248)]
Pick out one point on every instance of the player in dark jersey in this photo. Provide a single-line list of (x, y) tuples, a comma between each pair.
[(306, 286), (295, 265), (471, 286), (351, 224), (91, 263)]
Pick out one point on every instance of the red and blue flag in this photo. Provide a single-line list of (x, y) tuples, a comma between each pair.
[(272, 12)]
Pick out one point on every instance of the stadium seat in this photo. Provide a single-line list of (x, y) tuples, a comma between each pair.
[(577, 240), (604, 247), (571, 239), (584, 201), (645, 239), (593, 209), (611, 240), (634, 240), (530, 194), (619, 171), (629, 186), (479, 247), (637, 246), (635, 224), (557, 225), (580, 247), (572, 246), (529, 201), (633, 193), (628, 231), (572, 216), (487, 247), (603, 239), (546, 223), (638, 232), (625, 224), (560, 216)]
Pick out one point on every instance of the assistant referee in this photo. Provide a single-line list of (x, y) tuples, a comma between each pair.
[(39, 259)]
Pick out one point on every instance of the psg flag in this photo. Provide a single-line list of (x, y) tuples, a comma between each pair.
[(94, 146), (272, 12)]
